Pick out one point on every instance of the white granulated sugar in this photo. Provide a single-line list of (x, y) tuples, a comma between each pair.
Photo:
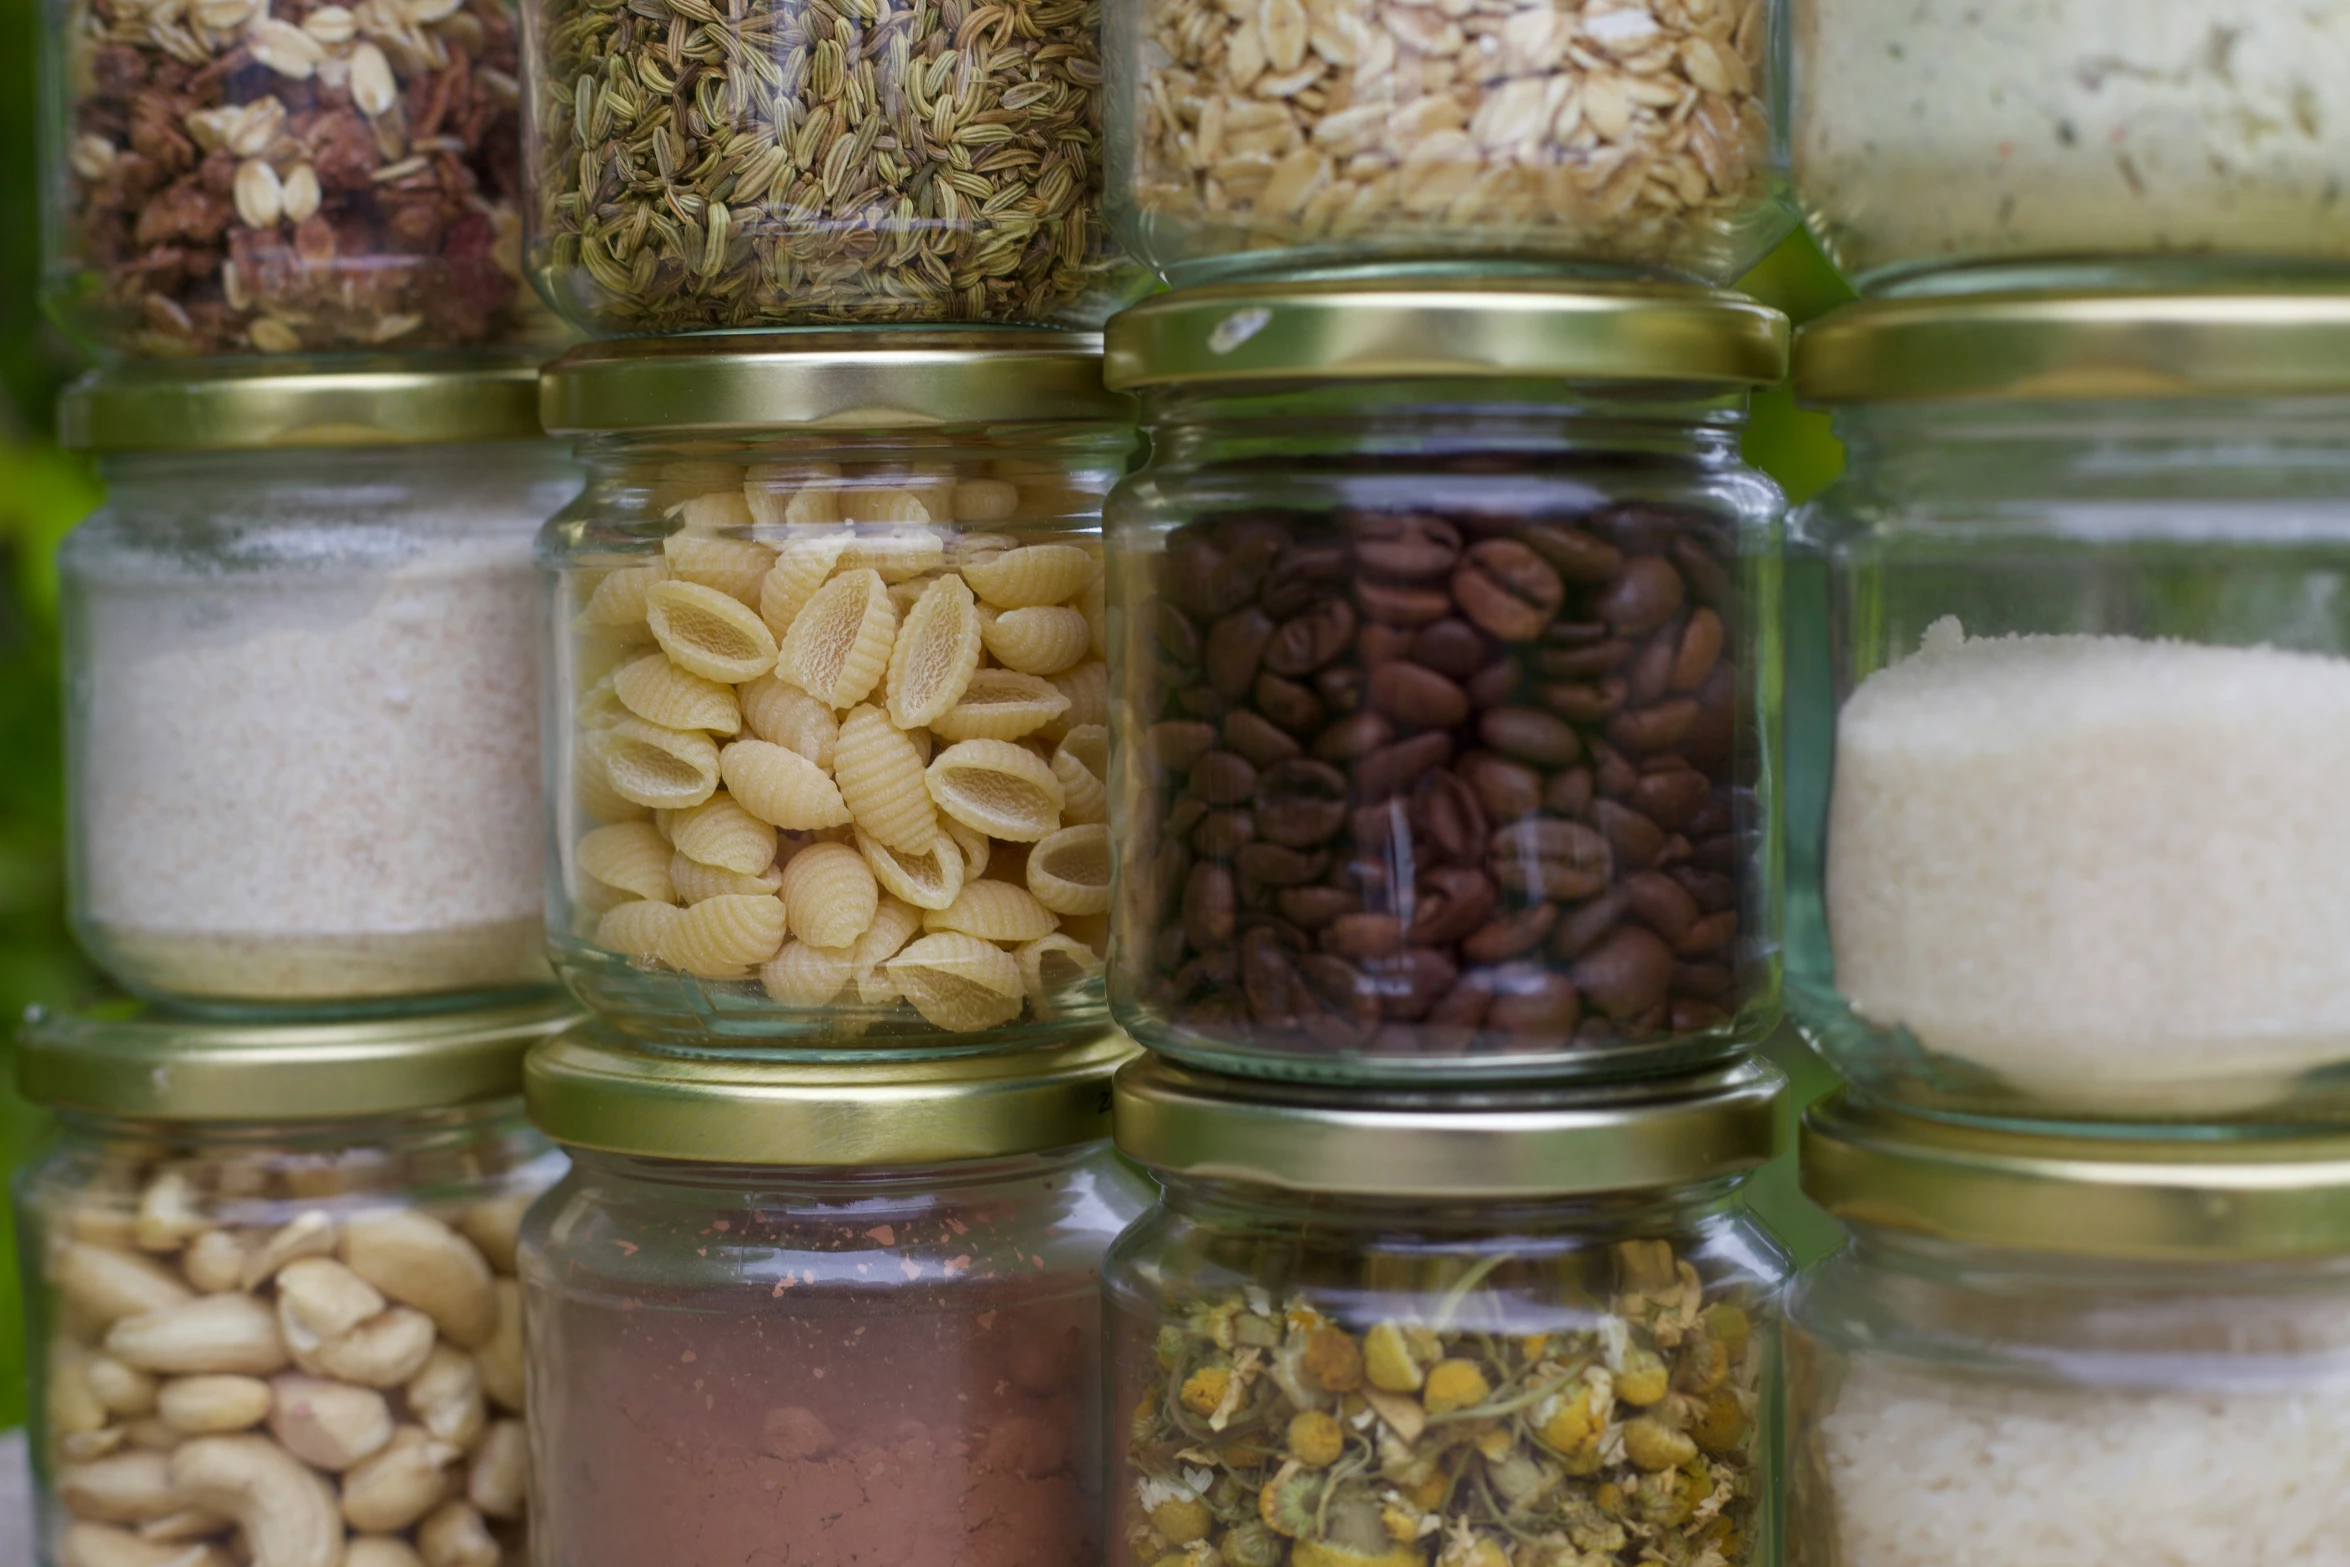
[(316, 775), (2110, 869), (1951, 1471)]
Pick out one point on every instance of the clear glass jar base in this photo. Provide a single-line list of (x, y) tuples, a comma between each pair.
[(281, 976)]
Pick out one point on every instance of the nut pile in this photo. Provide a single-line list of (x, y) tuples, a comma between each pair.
[(1424, 784), (1273, 1432), (253, 1363), (1631, 131), (845, 749), (782, 162), (281, 176)]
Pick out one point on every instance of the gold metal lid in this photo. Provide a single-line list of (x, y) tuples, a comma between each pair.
[(1371, 329), (268, 403), (2076, 347), (1480, 1145), (127, 1059), (588, 1091), (901, 378), (2151, 1198)]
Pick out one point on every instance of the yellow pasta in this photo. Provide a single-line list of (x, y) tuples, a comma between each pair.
[(883, 504), (719, 938), (993, 911), (1050, 966), (630, 856), (804, 975), (935, 655), (1093, 603), (958, 982), (838, 647), (1039, 641), (781, 713), (659, 692), (894, 924), (930, 880), (1083, 756), (675, 483), (735, 567), (792, 494), (985, 500), (637, 928), (1069, 872), (695, 881), (830, 893), (898, 554), (667, 769), (1088, 689), (599, 706), (1030, 575), (713, 511), (591, 783), (998, 787), (703, 630), (720, 832), (976, 846), (1000, 704), (967, 546), (880, 776), (801, 565), (781, 787), (621, 598)]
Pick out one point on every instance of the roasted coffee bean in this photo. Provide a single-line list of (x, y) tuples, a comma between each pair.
[(1403, 546), (1211, 905), (1723, 853), (1185, 814), (1511, 936), (1452, 648), (1670, 798), (1340, 986), (1360, 936), (1700, 649), (1268, 977), (1636, 527), (1311, 638), (1530, 735), (1507, 589), (1186, 577), (1611, 773), (1255, 737), (1708, 936), (1690, 1017), (1223, 778), (1643, 596), (1409, 982), (1301, 803), (1178, 638), (1286, 703), (1315, 907), (1417, 697), (1652, 667), (1452, 1024), (1663, 905), (1179, 742), (1569, 793), (1453, 901), (1448, 818), (1495, 684), (1235, 645), (1531, 999), (1582, 702), (1506, 789), (1222, 834), (1376, 644), (1544, 857), (1355, 736), (1580, 928), (1240, 576), (1382, 829), (1626, 974), (1277, 865), (1709, 583), (1584, 661), (1644, 731), (1395, 604), (1572, 553), (1633, 837), (1706, 981), (1713, 891), (1393, 768), (1303, 577)]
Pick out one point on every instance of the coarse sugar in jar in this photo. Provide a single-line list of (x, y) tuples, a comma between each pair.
[(2040, 1351), (1531, 1329), (270, 1273), (302, 705), (2086, 683), (1449, 681), (852, 1307), (828, 746)]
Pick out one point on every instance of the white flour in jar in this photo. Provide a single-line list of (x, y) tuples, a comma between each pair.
[(1932, 131), (313, 772), (2114, 871)]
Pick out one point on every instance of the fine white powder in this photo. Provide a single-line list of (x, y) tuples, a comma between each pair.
[(2113, 870), (313, 775), (1950, 1471)]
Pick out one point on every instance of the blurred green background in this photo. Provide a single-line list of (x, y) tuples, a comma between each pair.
[(43, 493)]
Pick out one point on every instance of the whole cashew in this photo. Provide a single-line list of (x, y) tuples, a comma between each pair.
[(126, 1488), (210, 1333), (318, 1299), (328, 1425), (124, 1390), (287, 1513), (168, 1214), (498, 1480), (73, 1406), (84, 1446), (496, 1226), (380, 1550), (500, 1359), (214, 1262), (445, 1397), (455, 1536), (384, 1351), (99, 1545), (105, 1226), (409, 1478), (309, 1234), (415, 1258), (110, 1285), (213, 1405), (189, 1523), (153, 1435)]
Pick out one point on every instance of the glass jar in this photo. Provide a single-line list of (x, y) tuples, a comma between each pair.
[(302, 686), (1616, 139), (2004, 144), (828, 753), (297, 178), (1512, 1331), (2043, 1351), (799, 167), (1448, 699), (852, 1308), (2085, 573), (271, 1279)]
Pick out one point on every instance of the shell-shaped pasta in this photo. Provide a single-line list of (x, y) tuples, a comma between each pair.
[(591, 784), (883, 503), (993, 911), (714, 511), (667, 769), (985, 500), (801, 565), (959, 982), (637, 928), (621, 597), (968, 546), (1050, 965), (894, 924), (630, 856), (1004, 790), (831, 894), (1085, 796), (802, 975), (1032, 574), (659, 692), (780, 712), (930, 880), (599, 706), (1069, 872), (695, 881), (936, 654), (735, 567), (701, 629), (675, 483), (1088, 689), (781, 787), (899, 554), (880, 776), (720, 832), (839, 644), (718, 938), (791, 494), (977, 846), (1043, 640), (1000, 704), (1094, 604)]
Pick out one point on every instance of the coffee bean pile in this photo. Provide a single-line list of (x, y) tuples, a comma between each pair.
[(1433, 783)]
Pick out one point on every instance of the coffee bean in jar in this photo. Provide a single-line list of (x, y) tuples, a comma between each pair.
[(1444, 753)]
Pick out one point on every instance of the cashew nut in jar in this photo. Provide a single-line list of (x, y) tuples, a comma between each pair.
[(281, 1365)]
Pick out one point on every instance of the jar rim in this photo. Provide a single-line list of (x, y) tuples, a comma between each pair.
[(1490, 1143), (270, 404), (1379, 329)]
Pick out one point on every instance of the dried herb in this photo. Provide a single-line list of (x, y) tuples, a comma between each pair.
[(1275, 1433), (803, 161)]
